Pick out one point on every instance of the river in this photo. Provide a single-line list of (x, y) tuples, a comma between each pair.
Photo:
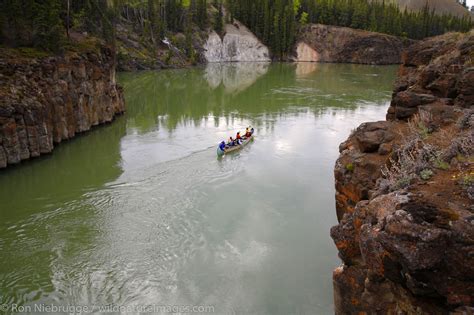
[(142, 212)]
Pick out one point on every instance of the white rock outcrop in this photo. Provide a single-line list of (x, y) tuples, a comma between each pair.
[(238, 44)]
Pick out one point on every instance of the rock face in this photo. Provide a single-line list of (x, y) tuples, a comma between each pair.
[(326, 43), (436, 72), (238, 44), (47, 100), (405, 192)]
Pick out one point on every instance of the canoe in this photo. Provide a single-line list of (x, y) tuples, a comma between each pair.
[(235, 147)]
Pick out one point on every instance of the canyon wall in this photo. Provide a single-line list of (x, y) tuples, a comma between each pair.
[(238, 44), (325, 43), (46, 100), (405, 192)]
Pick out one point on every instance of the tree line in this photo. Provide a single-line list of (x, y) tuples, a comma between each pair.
[(276, 22), (47, 23)]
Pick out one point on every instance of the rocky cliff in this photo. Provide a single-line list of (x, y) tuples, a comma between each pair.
[(46, 100), (238, 44), (324, 43), (405, 191)]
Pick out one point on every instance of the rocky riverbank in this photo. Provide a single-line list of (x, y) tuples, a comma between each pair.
[(405, 191), (325, 43), (45, 100)]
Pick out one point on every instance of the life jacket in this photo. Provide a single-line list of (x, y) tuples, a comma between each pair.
[(238, 137)]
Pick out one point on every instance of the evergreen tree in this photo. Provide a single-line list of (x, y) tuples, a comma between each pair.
[(219, 18), (46, 23), (201, 13)]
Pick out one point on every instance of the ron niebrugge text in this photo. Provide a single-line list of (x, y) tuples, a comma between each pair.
[(110, 308)]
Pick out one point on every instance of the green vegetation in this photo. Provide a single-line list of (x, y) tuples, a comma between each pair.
[(47, 24), (440, 164), (350, 167), (403, 182), (27, 52), (219, 19), (276, 22), (419, 124), (426, 174), (468, 180)]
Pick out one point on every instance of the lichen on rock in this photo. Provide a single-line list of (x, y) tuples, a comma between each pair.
[(406, 239)]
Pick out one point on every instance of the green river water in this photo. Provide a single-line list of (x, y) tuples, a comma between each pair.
[(142, 212)]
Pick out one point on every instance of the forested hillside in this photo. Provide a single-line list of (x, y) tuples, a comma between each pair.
[(47, 23), (275, 22), (50, 24)]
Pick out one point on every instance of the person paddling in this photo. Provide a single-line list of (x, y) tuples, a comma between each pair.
[(247, 133), (238, 138), (222, 146)]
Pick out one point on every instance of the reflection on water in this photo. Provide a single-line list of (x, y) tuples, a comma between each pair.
[(77, 166), (236, 76), (222, 92), (304, 69), (142, 212)]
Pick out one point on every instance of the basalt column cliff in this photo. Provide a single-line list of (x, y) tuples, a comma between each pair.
[(405, 191), (46, 100)]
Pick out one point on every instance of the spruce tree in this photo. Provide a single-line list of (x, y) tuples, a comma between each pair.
[(219, 19)]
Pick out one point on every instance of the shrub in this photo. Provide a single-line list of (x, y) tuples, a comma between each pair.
[(412, 158), (466, 120), (418, 125), (169, 55), (426, 174), (403, 182), (461, 147), (467, 181), (442, 165)]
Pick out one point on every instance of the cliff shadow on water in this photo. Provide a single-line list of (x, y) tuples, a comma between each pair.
[(79, 165)]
